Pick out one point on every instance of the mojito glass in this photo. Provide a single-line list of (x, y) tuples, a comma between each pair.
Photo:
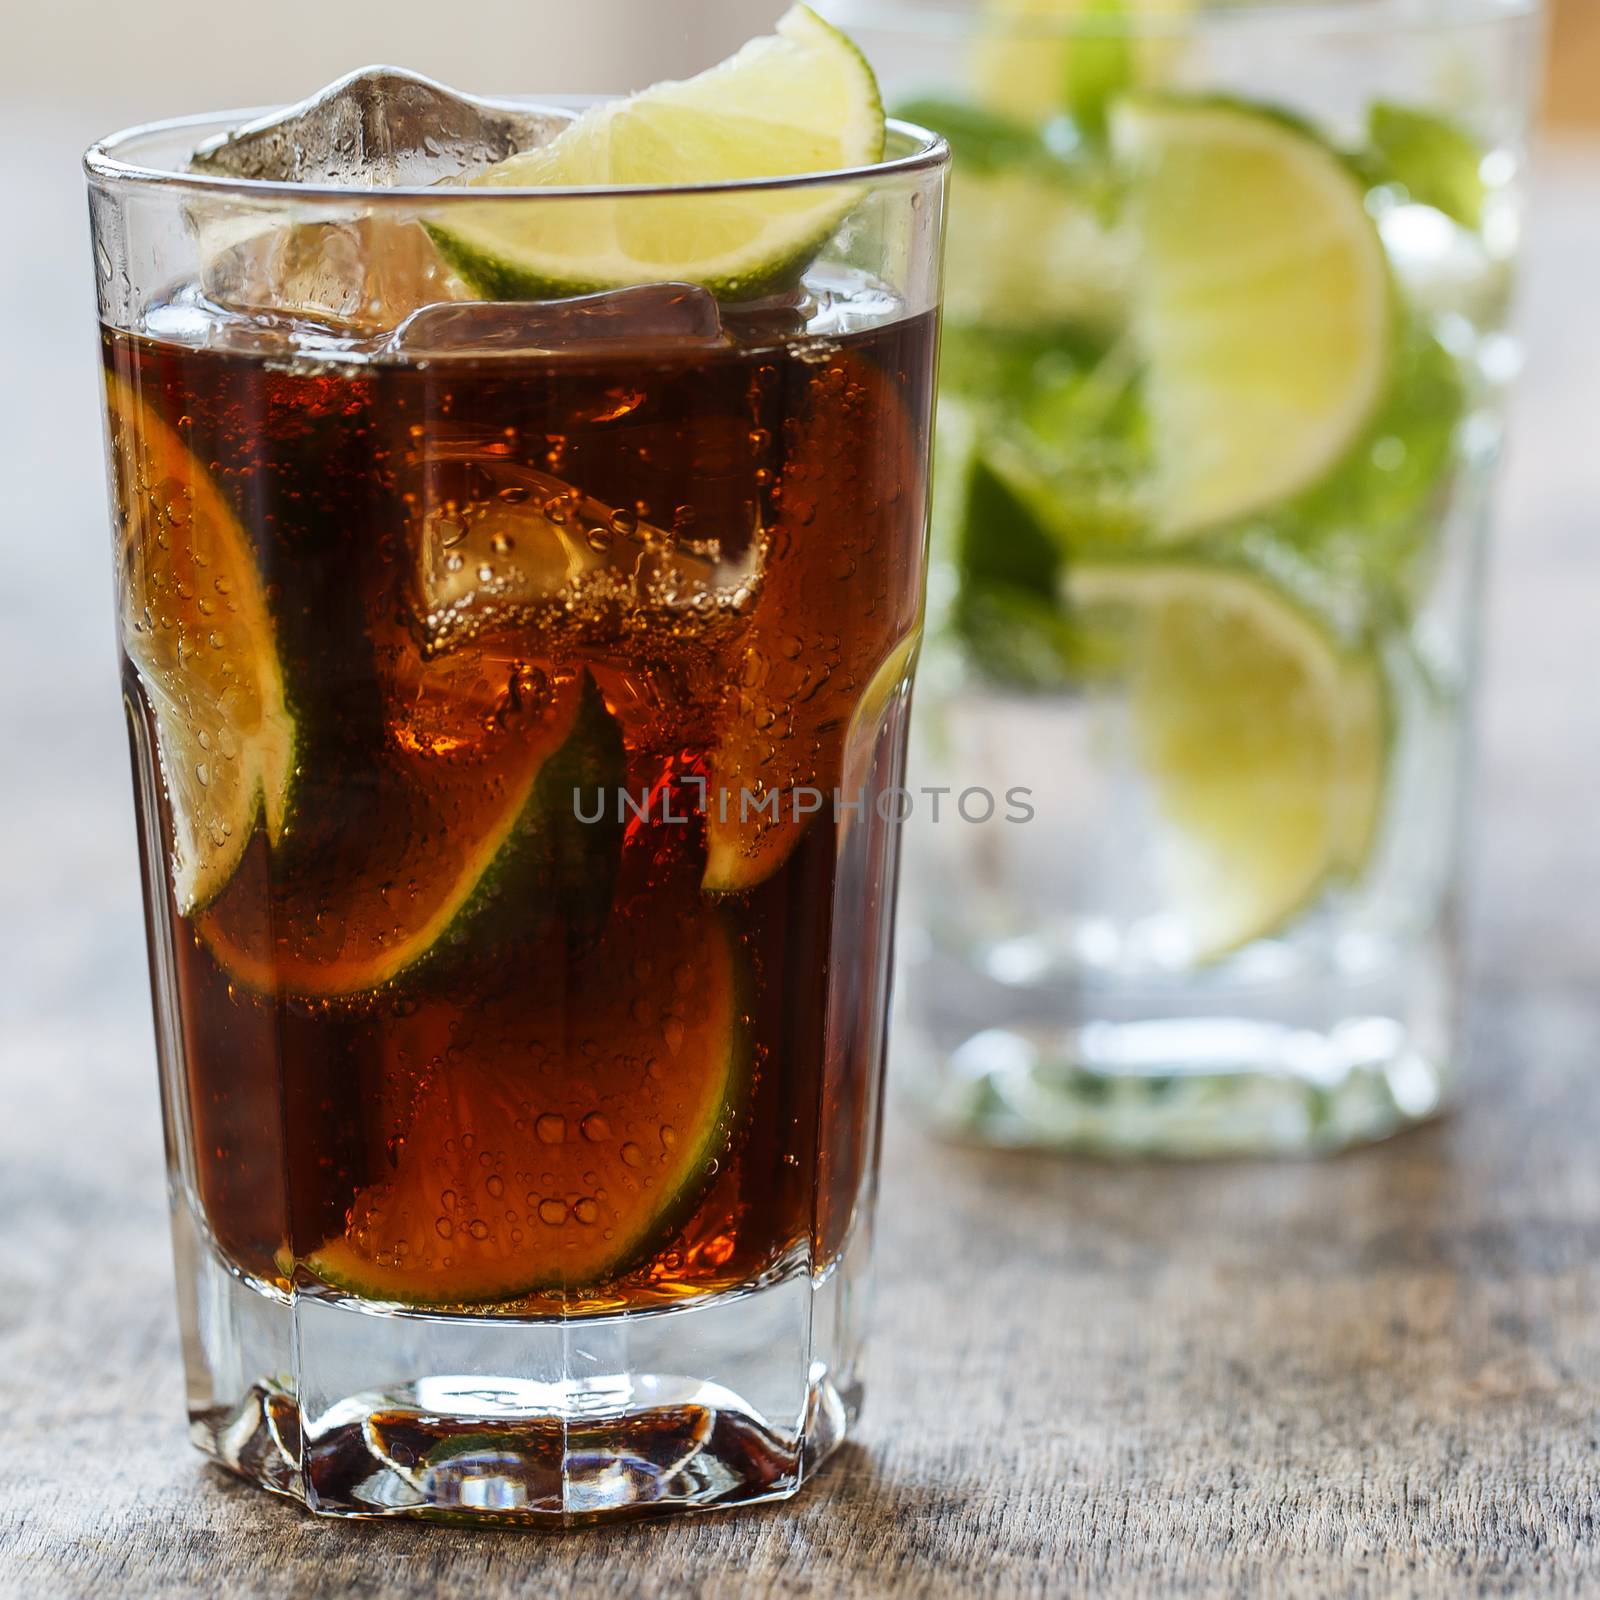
[(1226, 348), (508, 576)]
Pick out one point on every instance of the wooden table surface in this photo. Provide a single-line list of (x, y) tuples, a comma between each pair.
[(1374, 1375)]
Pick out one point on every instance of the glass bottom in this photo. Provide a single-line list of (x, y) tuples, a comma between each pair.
[(1212, 1067), (357, 1412)]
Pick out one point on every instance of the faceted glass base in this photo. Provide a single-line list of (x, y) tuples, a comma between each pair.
[(1290, 1062), (1188, 1088), (360, 1413)]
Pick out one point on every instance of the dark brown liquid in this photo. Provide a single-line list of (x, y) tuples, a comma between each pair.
[(602, 1085)]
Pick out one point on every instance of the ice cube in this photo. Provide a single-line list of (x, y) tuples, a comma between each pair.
[(500, 544), (360, 275), (378, 127), (643, 318)]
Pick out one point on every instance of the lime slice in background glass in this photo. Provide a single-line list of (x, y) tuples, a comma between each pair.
[(1263, 734), (1264, 306)]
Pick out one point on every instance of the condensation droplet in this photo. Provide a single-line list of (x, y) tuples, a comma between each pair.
[(632, 1155), (553, 1212), (595, 1128), (551, 1128), (586, 1211)]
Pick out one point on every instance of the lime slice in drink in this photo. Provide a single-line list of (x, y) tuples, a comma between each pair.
[(198, 629), (1263, 305), (1263, 735), (836, 603), (800, 100), (461, 846), (546, 1139)]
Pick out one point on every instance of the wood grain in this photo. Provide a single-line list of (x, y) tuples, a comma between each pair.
[(1377, 1375)]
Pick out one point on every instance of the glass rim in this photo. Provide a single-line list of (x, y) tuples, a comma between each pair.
[(105, 163), (1175, 18)]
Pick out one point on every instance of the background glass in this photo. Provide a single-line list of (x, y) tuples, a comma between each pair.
[(286, 384), (1231, 923)]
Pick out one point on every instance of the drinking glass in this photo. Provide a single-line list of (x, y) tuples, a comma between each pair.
[(1223, 373), (489, 669)]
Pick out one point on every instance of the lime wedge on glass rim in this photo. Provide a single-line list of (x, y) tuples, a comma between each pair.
[(198, 630), (1262, 732), (799, 100), (1264, 308)]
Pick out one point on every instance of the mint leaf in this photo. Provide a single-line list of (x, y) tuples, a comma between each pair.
[(1435, 161), (1100, 64)]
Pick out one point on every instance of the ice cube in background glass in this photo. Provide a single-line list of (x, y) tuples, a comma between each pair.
[(649, 316), (376, 128), (373, 129)]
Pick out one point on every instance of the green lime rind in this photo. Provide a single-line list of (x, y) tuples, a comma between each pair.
[(493, 275)]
